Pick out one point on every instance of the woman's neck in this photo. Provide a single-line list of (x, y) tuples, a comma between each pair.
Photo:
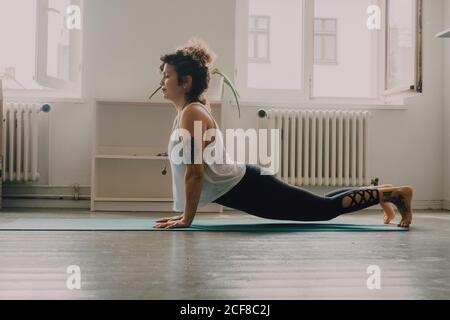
[(180, 104)]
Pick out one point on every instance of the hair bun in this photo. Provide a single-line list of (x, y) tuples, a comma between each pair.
[(198, 50)]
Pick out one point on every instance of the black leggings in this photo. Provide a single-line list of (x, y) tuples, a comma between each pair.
[(268, 197)]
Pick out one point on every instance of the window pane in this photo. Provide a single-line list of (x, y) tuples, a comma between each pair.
[(17, 34), (251, 23), (352, 77), (330, 48), (330, 25), (251, 45), (318, 48), (262, 46), (263, 23), (286, 28), (58, 40), (317, 25), (401, 49)]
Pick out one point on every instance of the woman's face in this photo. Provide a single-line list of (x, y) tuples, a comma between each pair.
[(170, 87)]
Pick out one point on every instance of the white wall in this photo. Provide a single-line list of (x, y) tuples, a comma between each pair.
[(123, 41), (446, 59), (126, 38)]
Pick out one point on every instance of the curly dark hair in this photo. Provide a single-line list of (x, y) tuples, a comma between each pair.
[(194, 60)]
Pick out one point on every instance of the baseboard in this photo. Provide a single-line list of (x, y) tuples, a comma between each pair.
[(114, 206), (428, 204), (26, 196), (16, 195), (148, 206), (46, 203), (446, 205), (23, 196), (16, 190)]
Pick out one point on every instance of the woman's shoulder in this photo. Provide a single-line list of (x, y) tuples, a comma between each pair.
[(198, 104), (195, 110)]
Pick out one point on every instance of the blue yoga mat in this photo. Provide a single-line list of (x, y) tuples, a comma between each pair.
[(221, 225)]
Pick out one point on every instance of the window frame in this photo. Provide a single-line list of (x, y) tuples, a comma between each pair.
[(322, 34), (41, 76), (416, 86), (54, 89), (255, 33), (241, 59), (283, 97)]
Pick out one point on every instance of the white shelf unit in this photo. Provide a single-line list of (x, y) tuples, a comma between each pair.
[(130, 139)]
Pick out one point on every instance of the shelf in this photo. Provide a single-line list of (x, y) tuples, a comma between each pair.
[(144, 102), (444, 34), (145, 153), (111, 199), (125, 157)]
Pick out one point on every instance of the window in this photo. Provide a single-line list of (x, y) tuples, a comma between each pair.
[(401, 47), (41, 53), (325, 41), (326, 49), (357, 72), (271, 66), (259, 39)]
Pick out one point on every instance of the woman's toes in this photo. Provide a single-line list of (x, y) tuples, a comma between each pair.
[(386, 219), (389, 212), (404, 223)]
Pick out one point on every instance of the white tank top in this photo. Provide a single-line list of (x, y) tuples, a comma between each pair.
[(219, 178)]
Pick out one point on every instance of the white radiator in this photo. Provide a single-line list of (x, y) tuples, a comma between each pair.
[(321, 147), (20, 142)]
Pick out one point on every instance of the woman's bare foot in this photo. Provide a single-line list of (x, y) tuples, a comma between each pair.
[(389, 212), (401, 197)]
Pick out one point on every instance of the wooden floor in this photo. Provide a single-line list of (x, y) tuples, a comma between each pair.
[(207, 265)]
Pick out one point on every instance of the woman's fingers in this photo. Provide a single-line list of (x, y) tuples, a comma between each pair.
[(160, 225), (171, 224), (167, 219), (165, 224)]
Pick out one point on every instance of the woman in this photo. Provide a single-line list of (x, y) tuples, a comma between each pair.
[(242, 186)]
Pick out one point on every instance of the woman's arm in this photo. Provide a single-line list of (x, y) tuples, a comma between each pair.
[(193, 184), (193, 177)]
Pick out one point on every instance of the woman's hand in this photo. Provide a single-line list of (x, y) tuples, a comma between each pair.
[(168, 219), (172, 222)]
